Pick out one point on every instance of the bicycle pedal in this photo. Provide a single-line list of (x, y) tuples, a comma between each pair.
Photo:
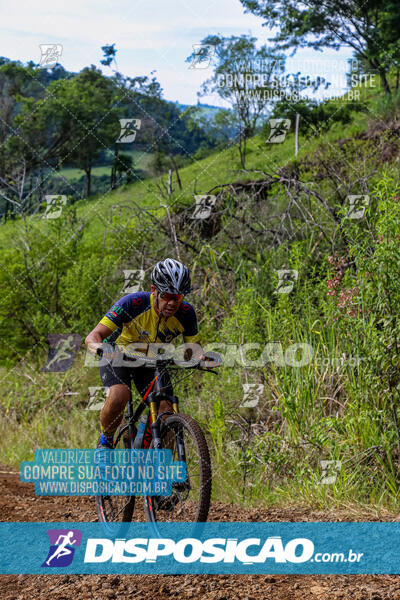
[(166, 503)]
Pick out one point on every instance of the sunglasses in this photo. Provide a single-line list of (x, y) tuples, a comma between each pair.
[(167, 296)]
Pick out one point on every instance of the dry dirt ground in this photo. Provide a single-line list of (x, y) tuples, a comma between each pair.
[(18, 503)]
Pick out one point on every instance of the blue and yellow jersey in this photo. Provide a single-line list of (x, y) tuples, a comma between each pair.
[(133, 319)]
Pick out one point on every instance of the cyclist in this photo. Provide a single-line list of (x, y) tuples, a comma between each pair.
[(141, 318)]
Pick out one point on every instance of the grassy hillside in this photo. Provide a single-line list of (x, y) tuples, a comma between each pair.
[(140, 160), (330, 346)]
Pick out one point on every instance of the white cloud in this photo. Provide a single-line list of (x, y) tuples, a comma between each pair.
[(149, 34)]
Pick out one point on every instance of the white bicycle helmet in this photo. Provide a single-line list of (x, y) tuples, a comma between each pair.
[(171, 276)]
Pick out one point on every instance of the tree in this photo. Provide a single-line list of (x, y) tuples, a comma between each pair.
[(18, 84), (367, 26), (246, 77), (124, 164), (316, 117), (165, 130), (136, 97), (82, 118), (213, 124)]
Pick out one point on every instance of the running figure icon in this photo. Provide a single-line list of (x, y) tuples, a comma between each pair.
[(62, 549)]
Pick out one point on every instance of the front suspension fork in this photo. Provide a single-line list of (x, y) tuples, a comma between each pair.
[(157, 419)]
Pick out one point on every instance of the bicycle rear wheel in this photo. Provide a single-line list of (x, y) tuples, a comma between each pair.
[(190, 500), (117, 509)]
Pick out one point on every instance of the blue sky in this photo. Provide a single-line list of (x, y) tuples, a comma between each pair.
[(149, 35)]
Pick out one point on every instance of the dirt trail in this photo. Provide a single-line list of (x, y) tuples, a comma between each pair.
[(18, 503)]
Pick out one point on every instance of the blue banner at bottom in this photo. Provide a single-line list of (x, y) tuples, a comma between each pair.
[(214, 548)]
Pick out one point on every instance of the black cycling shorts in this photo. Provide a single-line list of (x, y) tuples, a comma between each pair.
[(141, 377)]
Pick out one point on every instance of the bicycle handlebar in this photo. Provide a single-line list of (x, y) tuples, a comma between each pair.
[(158, 361)]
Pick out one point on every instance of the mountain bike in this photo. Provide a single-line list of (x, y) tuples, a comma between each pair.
[(190, 499)]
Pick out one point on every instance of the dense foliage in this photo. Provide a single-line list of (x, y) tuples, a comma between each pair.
[(323, 355), (52, 119)]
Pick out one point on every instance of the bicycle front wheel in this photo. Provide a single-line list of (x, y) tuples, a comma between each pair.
[(117, 509), (190, 499)]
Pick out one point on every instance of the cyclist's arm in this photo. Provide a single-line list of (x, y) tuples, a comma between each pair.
[(96, 336), (191, 334)]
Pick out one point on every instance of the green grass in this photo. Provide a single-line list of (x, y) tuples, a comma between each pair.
[(72, 173), (141, 161), (218, 168), (302, 423)]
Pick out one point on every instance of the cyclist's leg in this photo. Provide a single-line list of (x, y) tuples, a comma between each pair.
[(118, 380)]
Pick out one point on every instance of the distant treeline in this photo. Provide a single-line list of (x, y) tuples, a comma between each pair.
[(52, 118)]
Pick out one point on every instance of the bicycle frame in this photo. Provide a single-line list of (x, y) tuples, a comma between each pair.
[(155, 435), (151, 400)]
